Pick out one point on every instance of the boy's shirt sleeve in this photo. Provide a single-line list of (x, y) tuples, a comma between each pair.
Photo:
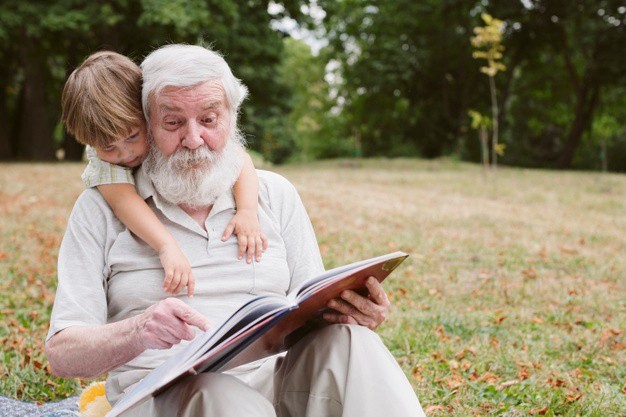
[(99, 172)]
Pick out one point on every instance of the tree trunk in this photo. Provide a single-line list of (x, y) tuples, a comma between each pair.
[(484, 149), (494, 118), (35, 141), (587, 99), (6, 149), (73, 149)]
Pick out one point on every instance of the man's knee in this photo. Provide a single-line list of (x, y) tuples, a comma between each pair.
[(211, 394), (344, 335)]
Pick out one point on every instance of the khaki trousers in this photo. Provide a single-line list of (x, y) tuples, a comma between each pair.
[(340, 370)]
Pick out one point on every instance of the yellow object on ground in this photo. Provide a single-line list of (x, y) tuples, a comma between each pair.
[(93, 401)]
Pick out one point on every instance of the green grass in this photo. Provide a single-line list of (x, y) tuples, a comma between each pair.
[(513, 301)]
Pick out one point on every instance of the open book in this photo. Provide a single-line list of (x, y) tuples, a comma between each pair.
[(262, 327)]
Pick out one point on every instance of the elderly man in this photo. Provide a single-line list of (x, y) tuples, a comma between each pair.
[(111, 314)]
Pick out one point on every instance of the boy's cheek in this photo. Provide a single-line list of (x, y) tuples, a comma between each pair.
[(106, 157)]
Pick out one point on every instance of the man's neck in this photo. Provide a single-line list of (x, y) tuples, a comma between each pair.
[(198, 214)]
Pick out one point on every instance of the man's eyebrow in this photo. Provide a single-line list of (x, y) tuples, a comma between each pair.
[(165, 107), (212, 105)]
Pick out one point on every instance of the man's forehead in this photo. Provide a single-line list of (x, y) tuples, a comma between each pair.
[(208, 95)]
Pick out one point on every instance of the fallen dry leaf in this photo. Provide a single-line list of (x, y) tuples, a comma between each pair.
[(463, 353), (608, 334), (486, 377), (529, 273), (523, 373), (416, 373), (568, 250), (432, 408), (539, 411), (454, 383), (507, 384), (555, 382), (570, 398)]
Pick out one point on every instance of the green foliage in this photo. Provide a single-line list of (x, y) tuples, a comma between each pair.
[(406, 71), (488, 43), (397, 78), (42, 41), (312, 124)]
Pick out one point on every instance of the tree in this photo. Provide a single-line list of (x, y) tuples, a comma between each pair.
[(481, 124), (405, 73), (570, 52), (42, 41), (488, 44)]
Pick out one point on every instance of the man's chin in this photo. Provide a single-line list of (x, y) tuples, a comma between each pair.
[(195, 183)]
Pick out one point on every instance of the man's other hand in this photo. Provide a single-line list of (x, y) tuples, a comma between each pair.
[(353, 308), (167, 323)]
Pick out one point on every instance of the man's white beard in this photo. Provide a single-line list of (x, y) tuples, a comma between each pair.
[(195, 178)]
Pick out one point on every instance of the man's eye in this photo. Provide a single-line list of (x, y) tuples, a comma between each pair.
[(209, 120)]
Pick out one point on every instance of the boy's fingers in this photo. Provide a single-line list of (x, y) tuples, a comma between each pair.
[(229, 231), (243, 244), (251, 250), (181, 284), (191, 285), (174, 284), (168, 280), (259, 248)]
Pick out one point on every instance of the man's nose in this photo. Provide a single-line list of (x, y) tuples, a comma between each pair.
[(193, 136)]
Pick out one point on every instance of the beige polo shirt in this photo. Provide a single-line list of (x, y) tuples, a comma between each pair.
[(107, 274)]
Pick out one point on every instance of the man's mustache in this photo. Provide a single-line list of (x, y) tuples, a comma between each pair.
[(185, 158)]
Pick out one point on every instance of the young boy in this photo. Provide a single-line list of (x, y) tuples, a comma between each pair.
[(101, 107)]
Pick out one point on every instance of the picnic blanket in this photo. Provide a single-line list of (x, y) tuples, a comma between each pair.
[(10, 407)]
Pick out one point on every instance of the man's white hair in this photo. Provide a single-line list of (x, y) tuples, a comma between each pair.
[(186, 66)]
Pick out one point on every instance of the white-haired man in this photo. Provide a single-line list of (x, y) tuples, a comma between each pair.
[(111, 314)]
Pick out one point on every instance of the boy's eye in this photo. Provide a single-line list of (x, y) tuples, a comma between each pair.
[(133, 137), (108, 148)]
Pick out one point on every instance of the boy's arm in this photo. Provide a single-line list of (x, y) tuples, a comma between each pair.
[(247, 186), (245, 224), (130, 208)]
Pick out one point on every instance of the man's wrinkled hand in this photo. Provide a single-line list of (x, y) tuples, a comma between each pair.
[(353, 308), (167, 323)]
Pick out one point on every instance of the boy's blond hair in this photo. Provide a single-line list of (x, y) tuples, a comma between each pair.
[(101, 101)]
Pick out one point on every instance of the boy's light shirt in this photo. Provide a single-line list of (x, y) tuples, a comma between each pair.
[(99, 172)]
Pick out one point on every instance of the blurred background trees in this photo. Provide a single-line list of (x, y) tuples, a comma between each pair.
[(385, 77)]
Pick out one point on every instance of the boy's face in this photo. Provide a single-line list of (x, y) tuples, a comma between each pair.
[(129, 151)]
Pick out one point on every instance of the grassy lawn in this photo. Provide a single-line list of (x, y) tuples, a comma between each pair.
[(513, 301)]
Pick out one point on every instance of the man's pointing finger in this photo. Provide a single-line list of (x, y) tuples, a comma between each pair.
[(192, 317)]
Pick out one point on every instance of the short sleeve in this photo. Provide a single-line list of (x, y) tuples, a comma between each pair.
[(99, 172), (303, 254), (80, 298)]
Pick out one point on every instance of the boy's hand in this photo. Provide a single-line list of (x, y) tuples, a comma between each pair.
[(178, 272), (252, 242)]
